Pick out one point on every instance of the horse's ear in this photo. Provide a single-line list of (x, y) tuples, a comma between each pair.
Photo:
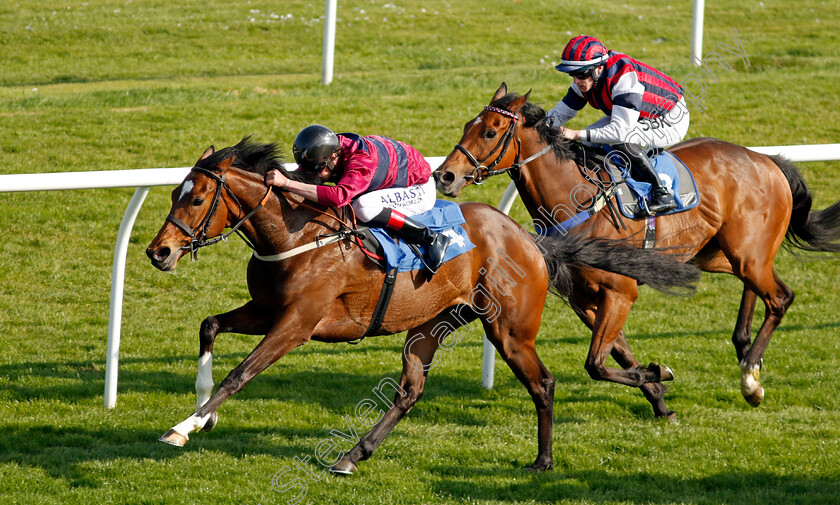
[(225, 164), (207, 152), (517, 104), (502, 91)]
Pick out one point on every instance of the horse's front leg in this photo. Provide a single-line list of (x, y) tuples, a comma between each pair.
[(248, 320), (609, 317), (291, 331)]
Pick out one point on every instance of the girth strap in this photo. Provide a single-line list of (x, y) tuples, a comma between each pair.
[(382, 303)]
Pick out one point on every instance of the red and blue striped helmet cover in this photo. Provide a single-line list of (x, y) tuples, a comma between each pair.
[(582, 51)]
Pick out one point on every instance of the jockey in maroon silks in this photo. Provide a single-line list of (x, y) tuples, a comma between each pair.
[(384, 180), (644, 107)]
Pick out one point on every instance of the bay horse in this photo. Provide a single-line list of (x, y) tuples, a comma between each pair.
[(750, 205), (327, 293)]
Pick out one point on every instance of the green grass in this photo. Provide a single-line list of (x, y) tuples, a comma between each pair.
[(114, 85)]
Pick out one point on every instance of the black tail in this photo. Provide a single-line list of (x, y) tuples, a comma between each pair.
[(564, 257), (810, 231)]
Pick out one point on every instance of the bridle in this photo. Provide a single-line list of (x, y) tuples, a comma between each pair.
[(198, 237), (482, 172)]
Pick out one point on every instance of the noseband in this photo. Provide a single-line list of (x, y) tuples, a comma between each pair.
[(198, 237)]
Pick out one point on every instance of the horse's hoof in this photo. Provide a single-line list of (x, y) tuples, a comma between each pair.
[(172, 437), (541, 466), (211, 423), (344, 467), (756, 398), (662, 372)]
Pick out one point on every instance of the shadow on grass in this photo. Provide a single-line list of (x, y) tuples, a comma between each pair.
[(334, 389), (66, 452), (598, 486)]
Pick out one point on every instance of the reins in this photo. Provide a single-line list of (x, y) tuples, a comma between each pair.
[(198, 236), (481, 172)]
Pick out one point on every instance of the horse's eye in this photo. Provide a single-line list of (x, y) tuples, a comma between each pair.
[(490, 134), (198, 201)]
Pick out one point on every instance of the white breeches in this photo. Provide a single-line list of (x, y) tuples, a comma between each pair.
[(410, 201)]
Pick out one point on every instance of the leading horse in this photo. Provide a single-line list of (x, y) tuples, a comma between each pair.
[(325, 293), (750, 204)]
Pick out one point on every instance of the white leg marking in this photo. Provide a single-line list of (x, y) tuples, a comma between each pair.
[(204, 379), (190, 424), (749, 379)]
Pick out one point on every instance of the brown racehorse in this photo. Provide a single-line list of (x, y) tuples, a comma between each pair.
[(329, 293), (749, 205)]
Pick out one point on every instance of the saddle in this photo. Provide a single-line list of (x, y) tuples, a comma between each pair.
[(630, 193), (393, 255)]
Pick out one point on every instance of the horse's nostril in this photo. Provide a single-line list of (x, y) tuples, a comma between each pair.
[(447, 177), (157, 254)]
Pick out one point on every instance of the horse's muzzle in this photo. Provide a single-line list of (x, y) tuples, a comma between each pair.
[(163, 258), (447, 183)]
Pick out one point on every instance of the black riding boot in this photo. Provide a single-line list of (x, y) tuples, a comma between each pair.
[(661, 200), (415, 233), (434, 242)]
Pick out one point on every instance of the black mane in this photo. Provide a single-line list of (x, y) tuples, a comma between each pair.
[(251, 157), (534, 117)]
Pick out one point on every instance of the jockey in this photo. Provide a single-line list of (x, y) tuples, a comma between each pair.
[(384, 180), (644, 107)]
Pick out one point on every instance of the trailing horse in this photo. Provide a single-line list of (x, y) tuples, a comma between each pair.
[(750, 205), (324, 293)]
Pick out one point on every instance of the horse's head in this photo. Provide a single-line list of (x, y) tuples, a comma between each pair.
[(490, 144), (198, 211)]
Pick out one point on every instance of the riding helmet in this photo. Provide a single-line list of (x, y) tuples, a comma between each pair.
[(313, 147), (582, 53)]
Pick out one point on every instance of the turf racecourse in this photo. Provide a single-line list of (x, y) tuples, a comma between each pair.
[(114, 85)]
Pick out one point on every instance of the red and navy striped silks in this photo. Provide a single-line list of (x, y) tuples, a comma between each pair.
[(396, 152), (660, 96)]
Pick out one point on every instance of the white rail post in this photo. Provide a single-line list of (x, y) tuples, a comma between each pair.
[(112, 359), (697, 33), (489, 352), (329, 42)]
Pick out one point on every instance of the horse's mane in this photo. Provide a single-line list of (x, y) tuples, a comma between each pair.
[(534, 117), (253, 157)]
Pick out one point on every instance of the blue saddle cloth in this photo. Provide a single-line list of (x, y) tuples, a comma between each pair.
[(445, 217), (674, 175)]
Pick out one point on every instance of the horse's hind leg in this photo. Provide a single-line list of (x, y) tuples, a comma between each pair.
[(516, 346), (248, 320), (742, 335), (418, 353), (777, 298)]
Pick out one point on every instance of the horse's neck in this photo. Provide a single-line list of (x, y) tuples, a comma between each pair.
[(553, 188), (282, 223)]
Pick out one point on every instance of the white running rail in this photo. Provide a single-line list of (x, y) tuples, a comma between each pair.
[(144, 179)]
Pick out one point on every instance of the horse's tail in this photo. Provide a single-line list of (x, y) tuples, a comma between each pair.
[(808, 230), (565, 256)]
